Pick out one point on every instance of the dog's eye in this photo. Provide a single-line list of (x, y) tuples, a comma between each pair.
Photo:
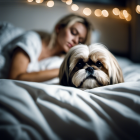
[(98, 64), (80, 64)]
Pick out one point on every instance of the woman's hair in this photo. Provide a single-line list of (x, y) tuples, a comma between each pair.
[(68, 21)]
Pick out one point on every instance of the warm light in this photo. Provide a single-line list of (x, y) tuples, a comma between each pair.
[(105, 13), (39, 1), (87, 11), (138, 9), (50, 3), (74, 7), (125, 13), (129, 17), (63, 0), (69, 2), (98, 12), (116, 11), (29, 0), (121, 15)]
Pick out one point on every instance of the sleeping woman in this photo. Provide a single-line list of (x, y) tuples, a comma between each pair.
[(34, 46)]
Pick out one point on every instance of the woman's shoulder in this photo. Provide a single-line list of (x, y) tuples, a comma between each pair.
[(30, 34), (42, 34)]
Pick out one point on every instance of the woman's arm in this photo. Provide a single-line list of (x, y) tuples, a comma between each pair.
[(19, 66)]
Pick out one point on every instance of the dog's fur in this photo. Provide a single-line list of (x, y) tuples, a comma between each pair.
[(90, 67)]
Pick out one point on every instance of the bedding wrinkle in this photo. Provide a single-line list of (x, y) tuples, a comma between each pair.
[(127, 95), (28, 114), (14, 132), (101, 120), (63, 98), (48, 102), (54, 112), (58, 115), (33, 92), (115, 109), (64, 108)]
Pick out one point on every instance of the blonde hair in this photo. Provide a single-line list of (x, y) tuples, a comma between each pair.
[(68, 21)]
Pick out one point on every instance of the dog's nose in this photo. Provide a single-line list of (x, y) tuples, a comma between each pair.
[(90, 69)]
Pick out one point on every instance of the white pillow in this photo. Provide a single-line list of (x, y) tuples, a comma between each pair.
[(8, 32)]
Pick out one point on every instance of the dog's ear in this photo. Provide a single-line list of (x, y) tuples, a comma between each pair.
[(64, 72), (67, 66), (116, 72)]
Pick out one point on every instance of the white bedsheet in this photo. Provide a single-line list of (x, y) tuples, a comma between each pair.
[(39, 111), (36, 111)]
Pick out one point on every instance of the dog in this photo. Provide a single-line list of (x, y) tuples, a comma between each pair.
[(89, 67)]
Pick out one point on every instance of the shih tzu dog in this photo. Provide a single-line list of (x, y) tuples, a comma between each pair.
[(89, 67)]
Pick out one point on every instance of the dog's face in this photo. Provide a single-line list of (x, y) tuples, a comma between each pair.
[(90, 67)]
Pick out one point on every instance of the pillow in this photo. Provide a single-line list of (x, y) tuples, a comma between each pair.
[(8, 32)]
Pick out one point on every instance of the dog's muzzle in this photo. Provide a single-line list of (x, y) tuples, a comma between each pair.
[(90, 70)]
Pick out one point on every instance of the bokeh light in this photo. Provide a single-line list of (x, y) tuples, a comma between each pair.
[(125, 13), (138, 9), (98, 12), (50, 3), (121, 15), (39, 1), (69, 2), (129, 18), (116, 11), (105, 13), (74, 7), (87, 11), (30, 0)]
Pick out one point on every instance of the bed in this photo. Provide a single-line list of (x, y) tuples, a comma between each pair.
[(41, 111)]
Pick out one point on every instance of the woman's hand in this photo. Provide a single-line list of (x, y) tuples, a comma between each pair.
[(19, 66)]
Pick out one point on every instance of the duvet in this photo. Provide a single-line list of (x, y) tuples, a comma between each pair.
[(37, 111), (41, 111), (48, 111)]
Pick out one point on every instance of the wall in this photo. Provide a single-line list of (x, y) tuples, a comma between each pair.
[(111, 31), (135, 33)]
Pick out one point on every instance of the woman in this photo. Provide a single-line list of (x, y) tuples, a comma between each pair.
[(33, 46)]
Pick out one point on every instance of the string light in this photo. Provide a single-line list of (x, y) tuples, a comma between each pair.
[(138, 9), (30, 0), (69, 2), (98, 12), (129, 18), (105, 13), (74, 7), (87, 11), (50, 3), (116, 11), (123, 14), (39, 1)]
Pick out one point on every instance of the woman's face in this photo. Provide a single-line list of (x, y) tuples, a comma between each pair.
[(71, 36)]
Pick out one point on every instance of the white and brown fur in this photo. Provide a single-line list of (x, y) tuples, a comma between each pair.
[(89, 67)]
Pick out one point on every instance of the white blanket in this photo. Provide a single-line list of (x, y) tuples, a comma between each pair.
[(38, 111)]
